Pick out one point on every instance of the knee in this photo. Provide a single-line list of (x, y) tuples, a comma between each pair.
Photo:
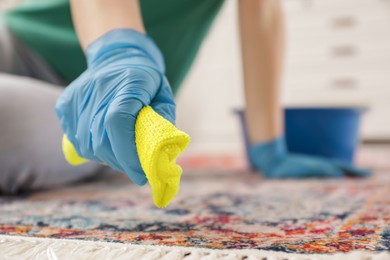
[(30, 138)]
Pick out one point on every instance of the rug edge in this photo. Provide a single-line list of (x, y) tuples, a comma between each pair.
[(53, 248)]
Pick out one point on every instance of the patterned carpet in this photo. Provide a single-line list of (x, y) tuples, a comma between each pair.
[(215, 209)]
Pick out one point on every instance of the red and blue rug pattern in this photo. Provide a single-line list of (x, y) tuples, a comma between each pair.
[(218, 209)]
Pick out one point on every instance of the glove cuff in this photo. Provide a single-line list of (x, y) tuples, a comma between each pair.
[(125, 38), (265, 155)]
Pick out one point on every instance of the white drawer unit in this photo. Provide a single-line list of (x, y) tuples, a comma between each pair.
[(339, 51)]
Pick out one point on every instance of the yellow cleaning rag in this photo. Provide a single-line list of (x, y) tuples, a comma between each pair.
[(158, 143)]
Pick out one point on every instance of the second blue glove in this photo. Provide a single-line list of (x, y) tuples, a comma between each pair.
[(274, 161)]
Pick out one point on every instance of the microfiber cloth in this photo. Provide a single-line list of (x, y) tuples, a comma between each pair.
[(158, 143)]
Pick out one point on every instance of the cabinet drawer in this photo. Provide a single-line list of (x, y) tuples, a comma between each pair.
[(334, 80), (332, 41), (369, 20), (343, 57), (299, 7), (374, 33)]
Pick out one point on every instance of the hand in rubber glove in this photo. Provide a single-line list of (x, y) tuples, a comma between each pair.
[(98, 110), (274, 161)]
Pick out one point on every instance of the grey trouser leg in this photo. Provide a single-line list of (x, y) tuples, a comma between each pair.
[(30, 134), (30, 138)]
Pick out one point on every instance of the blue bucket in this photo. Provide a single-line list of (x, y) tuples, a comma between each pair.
[(326, 132)]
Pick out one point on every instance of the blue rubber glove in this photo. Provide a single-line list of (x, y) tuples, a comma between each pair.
[(274, 161), (98, 110)]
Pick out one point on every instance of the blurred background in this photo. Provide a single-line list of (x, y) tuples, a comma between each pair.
[(338, 54)]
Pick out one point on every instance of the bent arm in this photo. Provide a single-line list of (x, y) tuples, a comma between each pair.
[(93, 18), (261, 30)]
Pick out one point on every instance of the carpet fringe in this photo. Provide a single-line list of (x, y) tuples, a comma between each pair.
[(17, 247)]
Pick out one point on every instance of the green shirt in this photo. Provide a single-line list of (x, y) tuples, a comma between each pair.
[(177, 26)]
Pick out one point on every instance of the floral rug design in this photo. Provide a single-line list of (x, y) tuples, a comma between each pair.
[(214, 209)]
